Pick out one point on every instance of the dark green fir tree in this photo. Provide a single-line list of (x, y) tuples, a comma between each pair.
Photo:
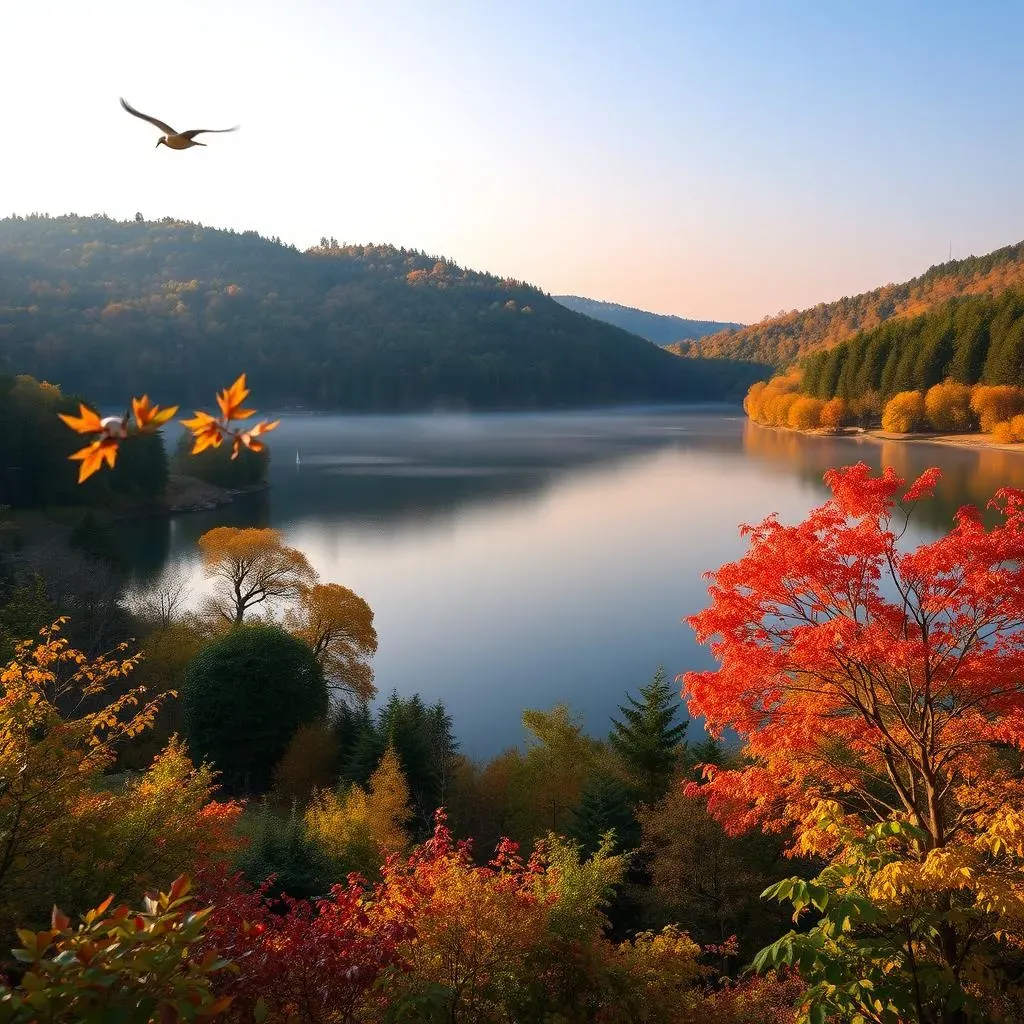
[(648, 739), (606, 805)]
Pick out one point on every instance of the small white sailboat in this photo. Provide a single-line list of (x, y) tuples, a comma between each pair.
[(298, 462)]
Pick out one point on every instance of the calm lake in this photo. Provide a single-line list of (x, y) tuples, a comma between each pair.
[(517, 560)]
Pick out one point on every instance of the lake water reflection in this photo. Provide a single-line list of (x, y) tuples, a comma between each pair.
[(514, 561)]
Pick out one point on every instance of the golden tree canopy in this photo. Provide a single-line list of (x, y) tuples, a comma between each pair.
[(948, 406), (250, 567), (903, 412), (364, 820), (338, 625)]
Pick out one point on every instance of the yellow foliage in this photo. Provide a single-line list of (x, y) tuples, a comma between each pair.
[(65, 835), (559, 759), (166, 653), (903, 412), (835, 413), (1003, 432), (338, 625), (250, 567), (769, 402), (363, 822), (948, 407), (805, 413), (660, 966), (1009, 431), (754, 399), (996, 404)]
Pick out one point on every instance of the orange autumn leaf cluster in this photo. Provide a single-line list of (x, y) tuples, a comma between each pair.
[(208, 431), (66, 834)]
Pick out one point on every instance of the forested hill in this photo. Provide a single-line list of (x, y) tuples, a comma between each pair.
[(974, 339), (657, 327), (780, 340), (108, 308)]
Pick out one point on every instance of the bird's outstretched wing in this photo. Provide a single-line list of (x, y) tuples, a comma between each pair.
[(192, 133), (145, 117)]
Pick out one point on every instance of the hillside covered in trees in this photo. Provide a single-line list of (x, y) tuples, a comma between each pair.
[(971, 339), (781, 339), (660, 328), (107, 309)]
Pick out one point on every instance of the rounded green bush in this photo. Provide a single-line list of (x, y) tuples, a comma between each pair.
[(243, 698)]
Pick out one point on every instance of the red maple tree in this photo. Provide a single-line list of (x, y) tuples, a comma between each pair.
[(890, 681)]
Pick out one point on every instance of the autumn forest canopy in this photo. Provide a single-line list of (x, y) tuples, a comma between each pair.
[(784, 338), (98, 306)]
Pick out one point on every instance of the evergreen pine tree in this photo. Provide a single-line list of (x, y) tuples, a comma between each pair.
[(606, 805), (422, 739), (648, 739), (350, 725)]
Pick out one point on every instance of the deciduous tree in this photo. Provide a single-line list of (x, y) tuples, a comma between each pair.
[(250, 567), (805, 413), (559, 759), (948, 406), (904, 412), (887, 684), (63, 834), (701, 875), (835, 413), (359, 827), (996, 403), (338, 626), (244, 697), (310, 762)]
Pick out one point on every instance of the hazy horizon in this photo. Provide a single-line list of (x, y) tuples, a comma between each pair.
[(717, 163)]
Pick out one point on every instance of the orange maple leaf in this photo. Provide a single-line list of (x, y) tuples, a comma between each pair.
[(206, 429), (93, 456), (230, 401), (88, 422), (150, 417), (248, 437)]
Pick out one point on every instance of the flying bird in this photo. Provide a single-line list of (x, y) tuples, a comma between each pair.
[(172, 139)]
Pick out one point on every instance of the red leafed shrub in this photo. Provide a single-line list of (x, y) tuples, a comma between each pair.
[(299, 960), (768, 1000)]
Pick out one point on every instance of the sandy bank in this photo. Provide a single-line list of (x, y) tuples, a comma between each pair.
[(956, 440)]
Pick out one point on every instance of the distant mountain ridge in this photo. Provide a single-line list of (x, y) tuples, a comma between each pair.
[(110, 309), (780, 340), (660, 328)]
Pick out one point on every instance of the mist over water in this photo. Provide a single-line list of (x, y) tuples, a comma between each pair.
[(518, 560)]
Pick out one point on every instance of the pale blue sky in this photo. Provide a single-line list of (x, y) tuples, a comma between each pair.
[(713, 159)]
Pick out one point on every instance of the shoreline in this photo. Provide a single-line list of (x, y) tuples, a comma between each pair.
[(975, 441), (184, 494), (189, 494)]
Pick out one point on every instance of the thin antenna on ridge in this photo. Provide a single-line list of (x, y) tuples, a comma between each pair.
[(951, 250)]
